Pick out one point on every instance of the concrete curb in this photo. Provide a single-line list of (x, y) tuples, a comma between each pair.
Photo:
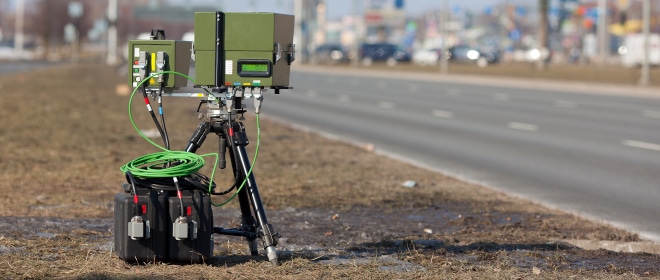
[(616, 246), (564, 86)]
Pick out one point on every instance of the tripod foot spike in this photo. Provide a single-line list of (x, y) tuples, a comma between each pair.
[(272, 255)]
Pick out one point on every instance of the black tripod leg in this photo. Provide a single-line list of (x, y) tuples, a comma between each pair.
[(248, 223), (250, 192), (198, 137)]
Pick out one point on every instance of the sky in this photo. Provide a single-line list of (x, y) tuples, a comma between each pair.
[(338, 8)]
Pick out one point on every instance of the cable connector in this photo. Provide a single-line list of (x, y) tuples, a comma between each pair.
[(180, 228), (229, 100), (143, 61), (258, 99), (161, 59), (138, 228)]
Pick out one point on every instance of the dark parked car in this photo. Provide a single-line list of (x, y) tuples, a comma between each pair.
[(467, 54), (330, 54), (388, 53)]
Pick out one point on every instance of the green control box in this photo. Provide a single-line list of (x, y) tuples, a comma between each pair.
[(148, 57), (243, 49)]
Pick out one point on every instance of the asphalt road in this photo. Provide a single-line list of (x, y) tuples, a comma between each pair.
[(596, 155)]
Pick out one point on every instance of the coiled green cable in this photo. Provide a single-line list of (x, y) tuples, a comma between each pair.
[(151, 165)]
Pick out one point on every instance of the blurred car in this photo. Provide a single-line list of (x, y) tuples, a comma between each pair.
[(6, 50), (427, 56), (330, 54), (467, 54), (29, 51), (389, 53)]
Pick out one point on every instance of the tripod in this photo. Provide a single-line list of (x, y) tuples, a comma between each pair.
[(220, 119)]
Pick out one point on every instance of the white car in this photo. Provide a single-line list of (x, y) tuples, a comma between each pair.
[(427, 56)]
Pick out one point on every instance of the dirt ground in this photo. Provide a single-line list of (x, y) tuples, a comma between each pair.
[(342, 210)]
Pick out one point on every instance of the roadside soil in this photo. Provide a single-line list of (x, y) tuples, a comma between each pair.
[(342, 210)]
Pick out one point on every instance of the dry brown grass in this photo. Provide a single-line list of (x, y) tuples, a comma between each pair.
[(65, 133)]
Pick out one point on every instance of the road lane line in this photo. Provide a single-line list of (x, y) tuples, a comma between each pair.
[(344, 99), (565, 104), (386, 105), (642, 145), (453, 91), (501, 96), (442, 114), (651, 114), (523, 126)]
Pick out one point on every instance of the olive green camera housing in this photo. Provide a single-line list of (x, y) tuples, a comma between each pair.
[(148, 57), (243, 49)]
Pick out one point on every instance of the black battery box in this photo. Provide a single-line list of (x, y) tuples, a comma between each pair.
[(162, 227), (141, 228), (192, 227)]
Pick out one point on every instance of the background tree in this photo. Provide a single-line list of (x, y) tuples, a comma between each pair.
[(543, 33)]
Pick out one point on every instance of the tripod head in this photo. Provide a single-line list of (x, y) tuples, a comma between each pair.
[(228, 103)]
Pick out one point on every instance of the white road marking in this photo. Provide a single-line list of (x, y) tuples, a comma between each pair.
[(443, 114), (651, 114), (523, 126), (501, 96), (565, 104), (642, 145), (312, 93), (386, 105)]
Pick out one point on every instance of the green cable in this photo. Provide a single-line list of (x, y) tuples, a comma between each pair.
[(130, 103), (150, 165), (147, 166)]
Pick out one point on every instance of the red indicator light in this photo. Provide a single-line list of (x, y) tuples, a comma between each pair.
[(228, 84), (188, 211), (136, 62), (144, 209)]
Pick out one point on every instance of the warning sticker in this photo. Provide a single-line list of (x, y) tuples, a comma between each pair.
[(229, 67)]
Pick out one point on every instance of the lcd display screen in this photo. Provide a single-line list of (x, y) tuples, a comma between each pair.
[(254, 68)]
